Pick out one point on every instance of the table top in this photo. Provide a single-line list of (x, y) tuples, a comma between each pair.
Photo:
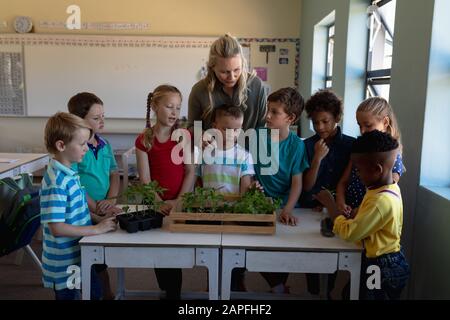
[(305, 236), (21, 159), (154, 237)]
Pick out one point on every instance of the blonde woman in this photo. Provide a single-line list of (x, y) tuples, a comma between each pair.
[(228, 81)]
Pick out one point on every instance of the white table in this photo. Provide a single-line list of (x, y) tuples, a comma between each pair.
[(155, 248), (25, 163), (299, 249)]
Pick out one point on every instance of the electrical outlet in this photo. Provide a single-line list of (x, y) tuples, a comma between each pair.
[(3, 24)]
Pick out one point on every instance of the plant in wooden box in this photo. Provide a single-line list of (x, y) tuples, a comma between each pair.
[(146, 215), (254, 201), (202, 200), (205, 210)]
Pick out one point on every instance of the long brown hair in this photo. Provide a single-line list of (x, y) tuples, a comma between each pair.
[(152, 99)]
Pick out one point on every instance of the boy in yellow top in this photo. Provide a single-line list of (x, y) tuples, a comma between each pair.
[(378, 221)]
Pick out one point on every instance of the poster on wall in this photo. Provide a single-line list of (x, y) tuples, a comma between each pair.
[(261, 72)]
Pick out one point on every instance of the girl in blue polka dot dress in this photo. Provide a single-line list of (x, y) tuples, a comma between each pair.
[(372, 114)]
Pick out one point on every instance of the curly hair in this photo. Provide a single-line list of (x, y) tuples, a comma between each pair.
[(325, 100), (374, 141), (292, 100)]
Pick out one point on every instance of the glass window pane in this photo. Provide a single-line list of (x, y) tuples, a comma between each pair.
[(381, 90), (387, 11), (381, 37)]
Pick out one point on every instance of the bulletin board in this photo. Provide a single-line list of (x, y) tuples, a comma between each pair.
[(279, 67)]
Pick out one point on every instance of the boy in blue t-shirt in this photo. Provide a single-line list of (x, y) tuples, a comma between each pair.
[(98, 169), (64, 211), (281, 177)]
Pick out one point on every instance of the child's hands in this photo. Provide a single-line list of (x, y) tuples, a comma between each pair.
[(320, 150), (344, 208), (257, 185), (288, 218), (317, 209), (352, 213), (167, 206), (325, 197), (103, 206), (106, 225)]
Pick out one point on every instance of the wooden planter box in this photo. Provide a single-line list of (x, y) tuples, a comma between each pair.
[(221, 222)]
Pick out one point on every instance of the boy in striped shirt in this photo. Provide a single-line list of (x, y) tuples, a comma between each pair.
[(64, 212), (226, 166)]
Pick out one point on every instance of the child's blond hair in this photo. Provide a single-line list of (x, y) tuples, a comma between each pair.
[(380, 108), (152, 99), (62, 126)]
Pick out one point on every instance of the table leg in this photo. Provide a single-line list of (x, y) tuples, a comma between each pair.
[(209, 257), (120, 291), (231, 258), (89, 255), (351, 261)]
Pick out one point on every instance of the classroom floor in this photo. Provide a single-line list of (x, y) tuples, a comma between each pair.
[(23, 281)]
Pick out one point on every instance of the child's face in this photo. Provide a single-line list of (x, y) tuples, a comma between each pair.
[(96, 117), (368, 122), (228, 70), (229, 127), (75, 150), (368, 172), (168, 109), (324, 124), (276, 116)]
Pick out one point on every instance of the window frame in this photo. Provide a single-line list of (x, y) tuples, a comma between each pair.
[(377, 76), (328, 68)]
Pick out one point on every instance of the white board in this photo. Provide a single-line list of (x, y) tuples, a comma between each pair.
[(119, 70)]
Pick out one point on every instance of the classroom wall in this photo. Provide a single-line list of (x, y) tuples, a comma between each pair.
[(349, 63), (421, 43), (242, 18), (426, 203)]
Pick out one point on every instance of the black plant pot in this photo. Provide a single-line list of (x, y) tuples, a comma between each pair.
[(128, 222), (157, 220), (140, 221)]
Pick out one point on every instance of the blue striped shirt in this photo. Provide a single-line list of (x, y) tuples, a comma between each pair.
[(62, 200)]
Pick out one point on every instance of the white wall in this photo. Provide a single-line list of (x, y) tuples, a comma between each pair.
[(349, 54)]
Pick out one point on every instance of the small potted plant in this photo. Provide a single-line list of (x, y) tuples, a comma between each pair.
[(146, 215)]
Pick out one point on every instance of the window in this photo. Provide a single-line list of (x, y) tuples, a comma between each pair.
[(379, 53), (329, 62)]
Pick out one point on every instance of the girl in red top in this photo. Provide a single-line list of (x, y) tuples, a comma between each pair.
[(157, 160)]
